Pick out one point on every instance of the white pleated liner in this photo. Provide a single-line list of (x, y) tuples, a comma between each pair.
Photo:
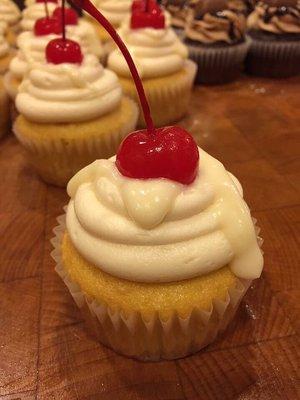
[(194, 332)]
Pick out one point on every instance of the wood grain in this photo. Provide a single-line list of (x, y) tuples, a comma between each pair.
[(46, 353)]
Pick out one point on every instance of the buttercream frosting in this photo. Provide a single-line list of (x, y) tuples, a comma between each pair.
[(158, 230), (33, 12), (9, 12), (273, 19), (32, 47), (156, 52), (114, 10), (67, 93)]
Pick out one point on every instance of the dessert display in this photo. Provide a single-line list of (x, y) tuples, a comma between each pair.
[(157, 246), (274, 29), (72, 111), (215, 35), (161, 60)]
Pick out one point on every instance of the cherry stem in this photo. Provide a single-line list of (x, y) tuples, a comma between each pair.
[(92, 10), (63, 20), (46, 8)]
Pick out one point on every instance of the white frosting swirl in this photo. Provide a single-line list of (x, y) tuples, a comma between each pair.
[(9, 12), (66, 93), (32, 48), (33, 12), (4, 46), (156, 52), (161, 231), (114, 10)]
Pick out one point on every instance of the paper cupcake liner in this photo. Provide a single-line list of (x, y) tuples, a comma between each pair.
[(4, 112), (163, 97), (10, 86), (155, 338), (274, 59), (57, 161), (218, 64)]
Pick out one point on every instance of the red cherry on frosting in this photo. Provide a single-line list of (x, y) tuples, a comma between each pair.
[(46, 26), (170, 153), (147, 14), (61, 50), (71, 17)]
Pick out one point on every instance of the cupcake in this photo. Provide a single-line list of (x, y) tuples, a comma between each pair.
[(72, 112), (32, 46), (274, 29), (10, 15), (215, 35), (34, 12), (115, 11), (161, 60), (158, 267), (5, 55), (156, 249)]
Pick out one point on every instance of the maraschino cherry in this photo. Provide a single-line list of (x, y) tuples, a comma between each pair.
[(147, 14), (62, 50), (168, 152), (59, 51), (71, 17), (47, 26)]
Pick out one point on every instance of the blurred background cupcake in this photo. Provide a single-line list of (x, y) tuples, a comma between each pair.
[(5, 56), (10, 15), (35, 11), (161, 60), (72, 112), (215, 35), (274, 29)]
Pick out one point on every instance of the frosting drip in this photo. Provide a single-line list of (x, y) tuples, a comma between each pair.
[(67, 93), (159, 230), (9, 12), (226, 26), (156, 52), (34, 12), (278, 20)]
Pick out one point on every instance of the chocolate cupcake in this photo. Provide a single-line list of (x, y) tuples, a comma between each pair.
[(274, 29), (179, 11), (215, 35)]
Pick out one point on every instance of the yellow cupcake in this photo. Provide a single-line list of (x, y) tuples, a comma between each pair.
[(167, 75), (168, 96), (58, 151), (70, 115), (12, 84), (158, 268)]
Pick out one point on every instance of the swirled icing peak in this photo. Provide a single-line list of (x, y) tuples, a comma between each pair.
[(9, 12), (159, 230), (66, 93), (276, 17), (114, 10), (156, 52), (34, 12), (212, 22)]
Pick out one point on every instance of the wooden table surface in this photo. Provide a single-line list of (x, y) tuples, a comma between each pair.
[(253, 127)]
